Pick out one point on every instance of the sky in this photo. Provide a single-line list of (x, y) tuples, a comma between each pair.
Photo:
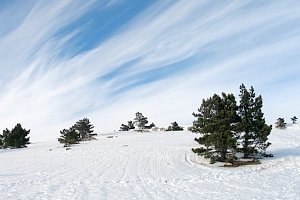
[(61, 61)]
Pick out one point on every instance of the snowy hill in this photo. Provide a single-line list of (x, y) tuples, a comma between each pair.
[(158, 165)]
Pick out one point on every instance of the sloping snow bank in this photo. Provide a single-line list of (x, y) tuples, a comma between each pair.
[(157, 165)]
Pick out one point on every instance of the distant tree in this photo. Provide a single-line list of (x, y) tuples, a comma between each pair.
[(6, 134), (130, 125), (140, 121), (127, 127), (1, 143), (150, 126), (69, 136), (174, 127), (124, 127), (294, 119), (16, 138), (216, 124), (253, 130), (84, 128), (280, 123)]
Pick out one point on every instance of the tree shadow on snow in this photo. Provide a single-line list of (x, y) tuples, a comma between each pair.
[(282, 153)]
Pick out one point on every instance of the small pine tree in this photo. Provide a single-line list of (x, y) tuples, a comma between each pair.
[(216, 124), (16, 138), (150, 126), (294, 119), (84, 128), (1, 143), (6, 134), (280, 123), (174, 127), (69, 136), (140, 121), (253, 130), (124, 127), (130, 125)]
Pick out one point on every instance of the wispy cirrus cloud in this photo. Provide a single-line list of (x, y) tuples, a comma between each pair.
[(59, 63)]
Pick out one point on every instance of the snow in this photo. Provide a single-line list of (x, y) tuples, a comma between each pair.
[(153, 165)]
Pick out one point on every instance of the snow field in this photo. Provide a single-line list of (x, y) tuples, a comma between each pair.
[(154, 165)]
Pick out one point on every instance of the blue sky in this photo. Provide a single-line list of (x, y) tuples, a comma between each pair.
[(61, 61)]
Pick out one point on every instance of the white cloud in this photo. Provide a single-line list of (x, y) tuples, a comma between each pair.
[(250, 42)]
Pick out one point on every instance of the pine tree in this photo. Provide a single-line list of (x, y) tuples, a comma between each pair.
[(174, 127), (124, 127), (140, 121), (280, 123), (294, 119), (6, 134), (16, 138), (130, 125), (69, 136), (84, 128), (216, 124), (1, 143), (253, 130), (150, 126)]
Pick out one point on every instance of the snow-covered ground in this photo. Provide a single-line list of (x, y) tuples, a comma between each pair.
[(158, 165)]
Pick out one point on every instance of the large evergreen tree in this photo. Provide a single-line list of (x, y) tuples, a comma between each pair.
[(69, 136), (84, 128), (16, 138), (253, 130), (140, 121), (174, 127), (216, 124)]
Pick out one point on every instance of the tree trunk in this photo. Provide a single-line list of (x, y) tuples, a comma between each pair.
[(223, 155), (245, 146)]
